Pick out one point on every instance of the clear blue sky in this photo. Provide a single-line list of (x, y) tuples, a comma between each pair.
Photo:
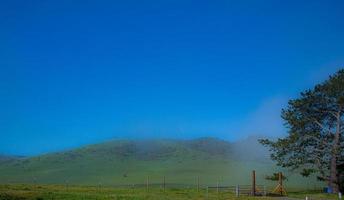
[(79, 72)]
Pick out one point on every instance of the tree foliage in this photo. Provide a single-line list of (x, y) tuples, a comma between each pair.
[(275, 177), (314, 143)]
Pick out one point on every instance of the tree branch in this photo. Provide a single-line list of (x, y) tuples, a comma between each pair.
[(312, 137), (334, 114), (322, 126)]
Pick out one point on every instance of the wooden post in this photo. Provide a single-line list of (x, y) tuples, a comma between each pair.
[(280, 182), (264, 190), (217, 187), (147, 183), (164, 183), (254, 183), (237, 191), (279, 188), (197, 183), (67, 185)]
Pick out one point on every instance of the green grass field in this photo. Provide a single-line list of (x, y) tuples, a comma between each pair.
[(119, 170), (63, 192), (119, 163)]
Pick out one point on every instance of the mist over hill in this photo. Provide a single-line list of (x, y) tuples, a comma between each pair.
[(9, 158), (125, 162)]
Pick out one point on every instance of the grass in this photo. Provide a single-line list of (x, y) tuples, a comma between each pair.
[(119, 163), (60, 192)]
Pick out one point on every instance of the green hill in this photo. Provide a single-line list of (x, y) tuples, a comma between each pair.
[(127, 162)]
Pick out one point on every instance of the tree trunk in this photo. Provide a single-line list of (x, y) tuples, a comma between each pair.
[(334, 181)]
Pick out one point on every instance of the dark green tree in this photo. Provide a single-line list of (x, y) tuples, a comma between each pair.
[(275, 177), (315, 123)]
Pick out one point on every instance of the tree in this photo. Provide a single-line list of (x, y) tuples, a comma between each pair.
[(275, 177), (315, 123)]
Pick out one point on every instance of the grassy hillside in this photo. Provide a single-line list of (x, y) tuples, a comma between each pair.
[(128, 162)]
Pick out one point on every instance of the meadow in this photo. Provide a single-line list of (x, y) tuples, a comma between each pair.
[(119, 163), (63, 192), (120, 169)]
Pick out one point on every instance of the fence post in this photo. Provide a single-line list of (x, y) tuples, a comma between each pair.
[(147, 184), (280, 182), (197, 183), (67, 186), (217, 187), (207, 192), (264, 190), (254, 183), (237, 191), (164, 183)]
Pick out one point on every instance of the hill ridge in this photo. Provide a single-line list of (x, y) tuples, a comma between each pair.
[(126, 161)]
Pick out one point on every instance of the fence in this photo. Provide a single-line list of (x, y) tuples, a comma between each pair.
[(240, 190), (253, 189)]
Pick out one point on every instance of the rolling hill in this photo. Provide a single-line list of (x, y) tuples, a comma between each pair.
[(7, 158), (127, 162)]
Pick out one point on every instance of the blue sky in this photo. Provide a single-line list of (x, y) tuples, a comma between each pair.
[(79, 72)]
